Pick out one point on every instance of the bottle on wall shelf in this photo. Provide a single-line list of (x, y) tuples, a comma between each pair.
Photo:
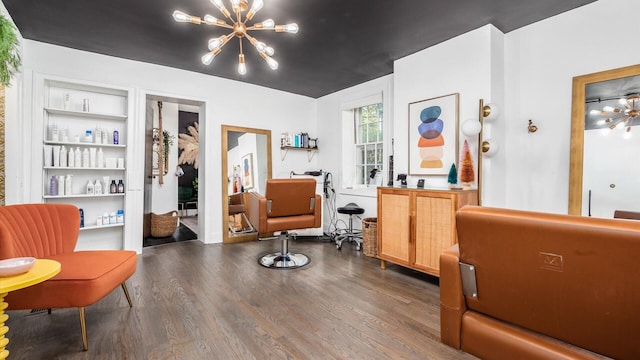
[(78, 157), (116, 137), (85, 158), (120, 217), (120, 186), (53, 186), (105, 218), (113, 219), (55, 136), (63, 156), (68, 185), (81, 217), (113, 188), (61, 185), (100, 162), (97, 188), (97, 138), (105, 185), (71, 158), (90, 188)]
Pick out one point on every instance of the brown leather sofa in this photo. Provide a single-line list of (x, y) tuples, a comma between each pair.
[(547, 286)]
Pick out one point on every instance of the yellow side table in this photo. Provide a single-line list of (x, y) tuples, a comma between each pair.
[(42, 270)]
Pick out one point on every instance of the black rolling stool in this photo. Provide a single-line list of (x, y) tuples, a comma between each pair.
[(350, 235)]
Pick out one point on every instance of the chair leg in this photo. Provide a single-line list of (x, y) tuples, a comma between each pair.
[(83, 328), (126, 293)]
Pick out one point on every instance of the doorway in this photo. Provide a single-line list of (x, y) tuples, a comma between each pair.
[(171, 167)]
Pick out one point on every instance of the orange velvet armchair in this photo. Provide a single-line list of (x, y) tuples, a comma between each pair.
[(50, 231)]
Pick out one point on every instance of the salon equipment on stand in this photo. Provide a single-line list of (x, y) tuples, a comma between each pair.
[(319, 177)]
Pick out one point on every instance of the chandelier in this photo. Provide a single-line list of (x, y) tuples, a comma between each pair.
[(619, 117), (239, 29)]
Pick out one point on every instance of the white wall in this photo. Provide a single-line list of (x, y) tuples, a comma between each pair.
[(462, 65), (540, 62), (269, 109), (164, 198)]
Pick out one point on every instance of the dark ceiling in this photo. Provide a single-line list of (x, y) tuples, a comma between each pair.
[(341, 43)]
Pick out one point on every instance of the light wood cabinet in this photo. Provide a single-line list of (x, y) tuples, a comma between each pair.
[(416, 225)]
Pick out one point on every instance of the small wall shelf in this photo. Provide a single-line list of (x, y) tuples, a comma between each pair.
[(310, 151), (73, 143), (80, 196)]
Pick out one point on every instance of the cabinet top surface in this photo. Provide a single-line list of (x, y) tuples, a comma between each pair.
[(430, 189)]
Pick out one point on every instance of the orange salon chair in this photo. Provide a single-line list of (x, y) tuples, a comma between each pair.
[(237, 207), (50, 231), (288, 204)]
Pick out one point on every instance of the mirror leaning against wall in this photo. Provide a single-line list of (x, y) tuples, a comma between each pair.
[(246, 166), (605, 136)]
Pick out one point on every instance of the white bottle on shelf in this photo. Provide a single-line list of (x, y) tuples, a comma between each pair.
[(97, 138), (85, 158), (90, 188), (55, 135), (78, 157), (105, 138), (68, 185), (63, 156), (61, 188), (71, 158), (100, 162), (97, 188)]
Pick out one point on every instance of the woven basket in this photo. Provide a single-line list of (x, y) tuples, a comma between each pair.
[(163, 225), (369, 236)]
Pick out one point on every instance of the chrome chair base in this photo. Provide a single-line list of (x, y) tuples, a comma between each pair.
[(353, 236), (287, 261)]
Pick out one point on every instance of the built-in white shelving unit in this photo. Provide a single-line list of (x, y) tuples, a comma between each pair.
[(70, 109)]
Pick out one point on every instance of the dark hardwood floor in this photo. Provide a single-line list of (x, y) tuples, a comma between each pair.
[(195, 301)]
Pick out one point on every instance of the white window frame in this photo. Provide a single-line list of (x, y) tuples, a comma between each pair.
[(348, 180)]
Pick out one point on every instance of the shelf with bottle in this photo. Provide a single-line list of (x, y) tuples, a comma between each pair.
[(72, 196), (95, 227), (86, 114), (83, 144), (83, 168)]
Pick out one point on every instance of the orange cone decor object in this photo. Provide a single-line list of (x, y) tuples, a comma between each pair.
[(467, 174)]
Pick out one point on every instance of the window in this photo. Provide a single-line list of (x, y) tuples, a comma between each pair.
[(369, 155)]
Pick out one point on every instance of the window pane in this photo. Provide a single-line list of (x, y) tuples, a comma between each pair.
[(360, 175), (370, 154), (359, 155), (361, 134), (379, 154), (380, 138)]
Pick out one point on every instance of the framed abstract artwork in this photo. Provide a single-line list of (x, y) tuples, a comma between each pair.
[(433, 135), (247, 171)]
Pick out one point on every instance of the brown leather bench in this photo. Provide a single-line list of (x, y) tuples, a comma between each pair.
[(547, 286)]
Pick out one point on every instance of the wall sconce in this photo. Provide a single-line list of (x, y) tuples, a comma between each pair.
[(531, 128), (486, 147)]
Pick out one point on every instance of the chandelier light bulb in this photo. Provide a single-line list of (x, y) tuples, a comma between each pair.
[(217, 43), (180, 16), (622, 101), (208, 58), (255, 7), (272, 63), (595, 112), (290, 28), (608, 108), (269, 50), (268, 24), (242, 68)]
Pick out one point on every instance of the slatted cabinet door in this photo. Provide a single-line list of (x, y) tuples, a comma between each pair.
[(394, 226)]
